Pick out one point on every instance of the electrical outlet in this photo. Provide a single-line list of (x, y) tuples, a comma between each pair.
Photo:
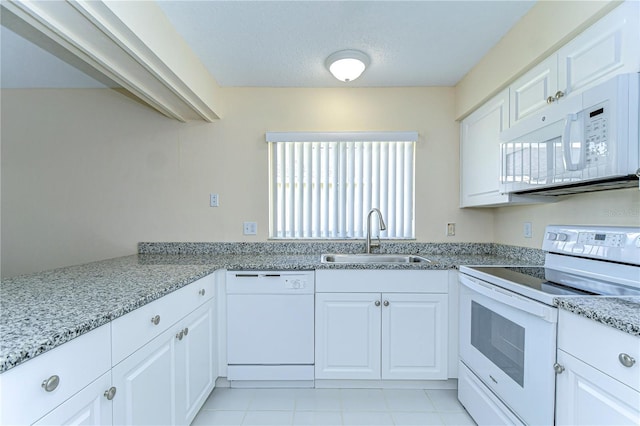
[(250, 228), (213, 200), (451, 229), (526, 230)]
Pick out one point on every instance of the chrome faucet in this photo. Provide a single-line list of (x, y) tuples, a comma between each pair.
[(382, 227)]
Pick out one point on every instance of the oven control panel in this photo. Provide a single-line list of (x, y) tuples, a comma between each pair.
[(614, 243)]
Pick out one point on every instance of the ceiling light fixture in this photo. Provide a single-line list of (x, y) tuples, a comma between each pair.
[(347, 65)]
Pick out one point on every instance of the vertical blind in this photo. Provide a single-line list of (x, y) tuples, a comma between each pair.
[(325, 188)]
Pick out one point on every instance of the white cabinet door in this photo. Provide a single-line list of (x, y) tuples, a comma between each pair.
[(480, 153), (414, 336), (195, 363), (145, 383), (90, 406), (609, 47), (347, 336), (586, 396), (529, 93)]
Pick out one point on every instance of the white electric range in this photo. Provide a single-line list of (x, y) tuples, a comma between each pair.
[(508, 323)]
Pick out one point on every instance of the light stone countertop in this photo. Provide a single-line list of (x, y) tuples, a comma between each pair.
[(43, 310), (622, 313)]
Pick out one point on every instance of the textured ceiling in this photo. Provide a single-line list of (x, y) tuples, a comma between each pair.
[(285, 43)]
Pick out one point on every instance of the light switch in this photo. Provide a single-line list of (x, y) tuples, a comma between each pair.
[(526, 230), (213, 200)]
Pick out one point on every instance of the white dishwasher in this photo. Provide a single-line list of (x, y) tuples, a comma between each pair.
[(270, 326)]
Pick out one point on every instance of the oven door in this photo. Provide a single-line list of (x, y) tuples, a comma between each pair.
[(509, 343)]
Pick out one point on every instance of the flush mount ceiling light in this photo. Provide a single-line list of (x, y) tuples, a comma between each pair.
[(347, 65)]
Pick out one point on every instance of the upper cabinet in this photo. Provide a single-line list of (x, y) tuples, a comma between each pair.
[(480, 153), (609, 47)]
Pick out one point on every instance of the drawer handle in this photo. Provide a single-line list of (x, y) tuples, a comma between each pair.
[(201, 292), (110, 393), (156, 320), (626, 360), (51, 383)]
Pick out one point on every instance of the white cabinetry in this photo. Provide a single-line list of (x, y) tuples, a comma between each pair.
[(609, 47), (389, 325), (599, 383), (168, 379), (480, 153), (35, 388)]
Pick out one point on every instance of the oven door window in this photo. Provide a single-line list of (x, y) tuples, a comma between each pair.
[(500, 340)]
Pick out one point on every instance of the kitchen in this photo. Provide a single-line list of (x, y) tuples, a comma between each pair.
[(148, 178)]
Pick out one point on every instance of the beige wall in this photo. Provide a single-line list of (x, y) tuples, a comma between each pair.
[(616, 208), (86, 174)]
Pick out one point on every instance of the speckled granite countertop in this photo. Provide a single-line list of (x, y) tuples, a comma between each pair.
[(622, 313), (41, 311)]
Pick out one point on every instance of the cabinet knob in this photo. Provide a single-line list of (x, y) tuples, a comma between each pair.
[(180, 335), (156, 320), (110, 393), (551, 99), (386, 303), (558, 368), (51, 383), (626, 360), (559, 94), (201, 292), (377, 303), (186, 331)]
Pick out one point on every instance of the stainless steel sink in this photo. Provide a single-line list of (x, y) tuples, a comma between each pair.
[(373, 258)]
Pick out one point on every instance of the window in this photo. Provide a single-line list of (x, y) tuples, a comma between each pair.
[(324, 184)]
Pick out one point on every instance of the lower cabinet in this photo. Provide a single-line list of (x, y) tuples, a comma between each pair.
[(91, 406), (587, 396), (381, 335), (389, 336), (168, 379), (599, 379)]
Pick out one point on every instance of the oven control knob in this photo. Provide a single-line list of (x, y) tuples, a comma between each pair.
[(552, 236), (562, 237)]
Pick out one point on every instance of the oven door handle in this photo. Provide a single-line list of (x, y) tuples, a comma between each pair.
[(507, 298)]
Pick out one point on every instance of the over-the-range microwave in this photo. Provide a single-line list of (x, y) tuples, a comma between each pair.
[(585, 142)]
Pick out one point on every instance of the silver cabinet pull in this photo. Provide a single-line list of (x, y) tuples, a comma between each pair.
[(156, 320), (377, 303), (559, 94), (201, 292), (558, 368), (551, 99), (386, 303), (626, 360), (186, 331), (180, 335), (110, 393), (51, 383)]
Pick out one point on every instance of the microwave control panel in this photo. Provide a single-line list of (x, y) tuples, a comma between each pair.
[(596, 134)]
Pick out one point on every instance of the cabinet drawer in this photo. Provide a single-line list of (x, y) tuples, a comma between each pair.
[(77, 363), (133, 330), (381, 280), (600, 346)]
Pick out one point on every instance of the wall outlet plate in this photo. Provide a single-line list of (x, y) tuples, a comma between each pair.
[(526, 230), (451, 229), (250, 228), (213, 200)]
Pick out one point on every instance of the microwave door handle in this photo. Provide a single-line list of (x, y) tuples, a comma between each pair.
[(566, 145)]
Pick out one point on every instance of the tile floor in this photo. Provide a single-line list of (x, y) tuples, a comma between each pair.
[(230, 406)]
